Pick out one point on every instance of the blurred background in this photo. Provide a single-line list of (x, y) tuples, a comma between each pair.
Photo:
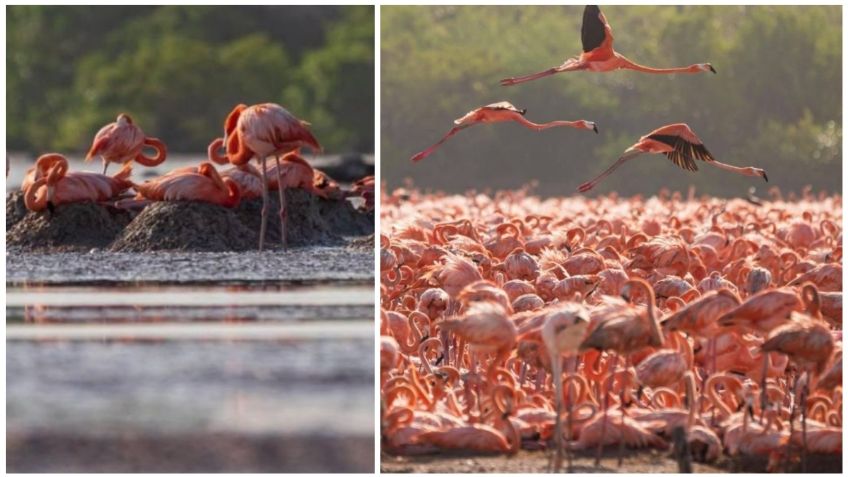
[(775, 103), (179, 71)]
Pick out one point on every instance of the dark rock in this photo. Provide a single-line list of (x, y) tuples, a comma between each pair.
[(188, 226), (69, 227)]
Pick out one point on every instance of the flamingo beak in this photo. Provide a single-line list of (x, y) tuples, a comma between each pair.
[(765, 176), (595, 128), (712, 69)]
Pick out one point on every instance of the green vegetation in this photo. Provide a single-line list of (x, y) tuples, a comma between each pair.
[(180, 69), (775, 103)]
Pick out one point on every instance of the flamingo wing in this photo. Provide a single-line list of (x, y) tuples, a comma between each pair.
[(595, 32), (685, 152), (505, 105)]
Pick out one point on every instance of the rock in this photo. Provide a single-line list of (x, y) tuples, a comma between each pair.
[(70, 227), (185, 226)]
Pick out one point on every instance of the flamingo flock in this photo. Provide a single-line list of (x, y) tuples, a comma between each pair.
[(266, 132), (573, 324)]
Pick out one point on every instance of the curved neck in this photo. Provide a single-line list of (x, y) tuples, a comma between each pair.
[(656, 333), (161, 153), (212, 152), (232, 120), (34, 201), (237, 152)]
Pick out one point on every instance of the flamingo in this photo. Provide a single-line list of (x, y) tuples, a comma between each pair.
[(562, 334), (625, 334), (122, 142), (809, 344), (598, 54), (498, 113), (260, 131), (201, 185), (63, 187), (680, 144)]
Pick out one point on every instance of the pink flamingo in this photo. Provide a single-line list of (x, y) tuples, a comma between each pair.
[(598, 54), (680, 144), (122, 142), (498, 113)]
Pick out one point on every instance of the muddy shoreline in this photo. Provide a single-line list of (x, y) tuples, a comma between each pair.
[(182, 226), (646, 461), (214, 452)]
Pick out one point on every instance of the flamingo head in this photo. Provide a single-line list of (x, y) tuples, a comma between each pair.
[(755, 171), (704, 67), (124, 119), (588, 125)]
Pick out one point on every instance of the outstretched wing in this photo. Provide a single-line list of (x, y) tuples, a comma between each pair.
[(685, 152), (594, 30)]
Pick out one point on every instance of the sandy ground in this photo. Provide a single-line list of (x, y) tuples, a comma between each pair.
[(652, 461)]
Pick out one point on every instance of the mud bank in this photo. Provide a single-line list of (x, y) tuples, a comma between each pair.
[(220, 452), (633, 461), (66, 228), (183, 226)]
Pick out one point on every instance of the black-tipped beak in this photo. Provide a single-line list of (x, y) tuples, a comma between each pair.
[(713, 69), (765, 176), (595, 128)]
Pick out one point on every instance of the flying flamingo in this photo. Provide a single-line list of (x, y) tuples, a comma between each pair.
[(598, 54), (680, 144), (122, 142), (498, 113), (260, 131), (201, 185), (63, 187)]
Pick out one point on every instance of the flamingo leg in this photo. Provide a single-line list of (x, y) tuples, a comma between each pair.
[(570, 64), (569, 403), (606, 392), (628, 154), (804, 391), (763, 389), (264, 215), (284, 215), (556, 459), (105, 166)]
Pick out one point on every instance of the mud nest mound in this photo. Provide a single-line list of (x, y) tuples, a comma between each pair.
[(15, 209), (362, 243), (344, 219), (185, 226), (68, 227), (306, 223)]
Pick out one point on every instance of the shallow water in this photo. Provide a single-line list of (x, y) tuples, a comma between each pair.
[(190, 361)]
